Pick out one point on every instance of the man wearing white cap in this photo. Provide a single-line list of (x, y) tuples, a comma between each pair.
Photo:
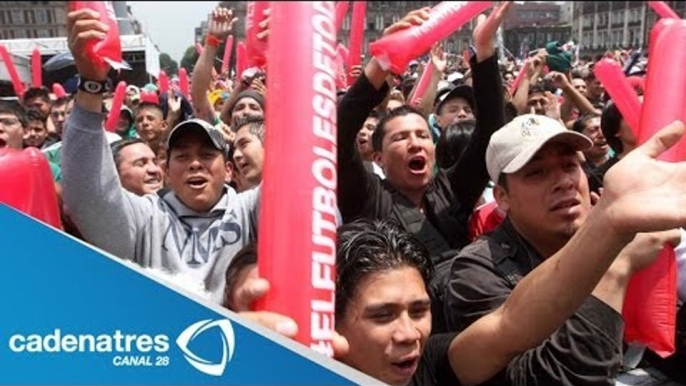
[(537, 166)]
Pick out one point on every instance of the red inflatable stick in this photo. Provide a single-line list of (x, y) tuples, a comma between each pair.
[(36, 68), (356, 37), (662, 9), (341, 12), (423, 85), (300, 169), (396, 50), (518, 79), (227, 54), (115, 109), (164, 82), (650, 305), (255, 48), (184, 86), (665, 86), (108, 50), (241, 60), (58, 90), (649, 309), (28, 185), (12, 70), (611, 75)]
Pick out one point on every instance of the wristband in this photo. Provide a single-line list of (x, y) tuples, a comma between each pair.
[(213, 41)]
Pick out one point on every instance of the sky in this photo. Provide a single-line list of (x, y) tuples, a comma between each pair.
[(171, 24)]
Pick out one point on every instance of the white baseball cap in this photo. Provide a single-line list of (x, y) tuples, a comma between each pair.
[(513, 146)]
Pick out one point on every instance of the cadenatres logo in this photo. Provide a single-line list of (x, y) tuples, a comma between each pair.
[(131, 350), (207, 367)]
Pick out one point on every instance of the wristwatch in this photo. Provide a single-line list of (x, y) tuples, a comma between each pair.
[(94, 86)]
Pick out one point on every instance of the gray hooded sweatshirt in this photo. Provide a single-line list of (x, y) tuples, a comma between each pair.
[(156, 232)]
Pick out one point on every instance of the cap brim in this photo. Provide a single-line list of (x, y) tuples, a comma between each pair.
[(186, 126), (578, 141), (464, 92)]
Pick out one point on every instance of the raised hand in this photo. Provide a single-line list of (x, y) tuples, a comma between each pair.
[(416, 17), (559, 80), (221, 22), (248, 289), (552, 107), (438, 58), (83, 27), (534, 65), (643, 194), (486, 29)]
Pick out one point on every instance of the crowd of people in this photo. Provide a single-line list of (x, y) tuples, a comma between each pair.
[(426, 293)]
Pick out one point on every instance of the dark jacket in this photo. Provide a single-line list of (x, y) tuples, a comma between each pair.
[(451, 195), (586, 350)]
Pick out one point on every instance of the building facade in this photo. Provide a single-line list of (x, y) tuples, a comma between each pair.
[(531, 26), (601, 26), (32, 19), (48, 19)]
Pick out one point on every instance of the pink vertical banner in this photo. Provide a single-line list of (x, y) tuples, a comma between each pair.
[(300, 169)]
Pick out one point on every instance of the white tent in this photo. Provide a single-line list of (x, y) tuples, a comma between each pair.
[(22, 49)]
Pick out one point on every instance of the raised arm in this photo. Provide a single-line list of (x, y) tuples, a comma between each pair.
[(469, 175), (552, 292), (104, 213), (365, 94), (220, 26)]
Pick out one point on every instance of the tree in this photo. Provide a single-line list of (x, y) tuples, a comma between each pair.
[(169, 65), (190, 57)]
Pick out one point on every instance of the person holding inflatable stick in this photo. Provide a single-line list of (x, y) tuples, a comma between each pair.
[(195, 228), (382, 303), (434, 208)]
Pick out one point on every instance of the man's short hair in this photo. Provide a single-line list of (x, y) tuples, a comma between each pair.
[(255, 125), (59, 102), (13, 108), (366, 247), (610, 123), (380, 131), (37, 92), (118, 146), (580, 124), (33, 115), (537, 88), (147, 105)]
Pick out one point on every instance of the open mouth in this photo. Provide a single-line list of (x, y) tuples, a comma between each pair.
[(565, 204), (417, 164), (407, 367), (3, 143), (197, 182)]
